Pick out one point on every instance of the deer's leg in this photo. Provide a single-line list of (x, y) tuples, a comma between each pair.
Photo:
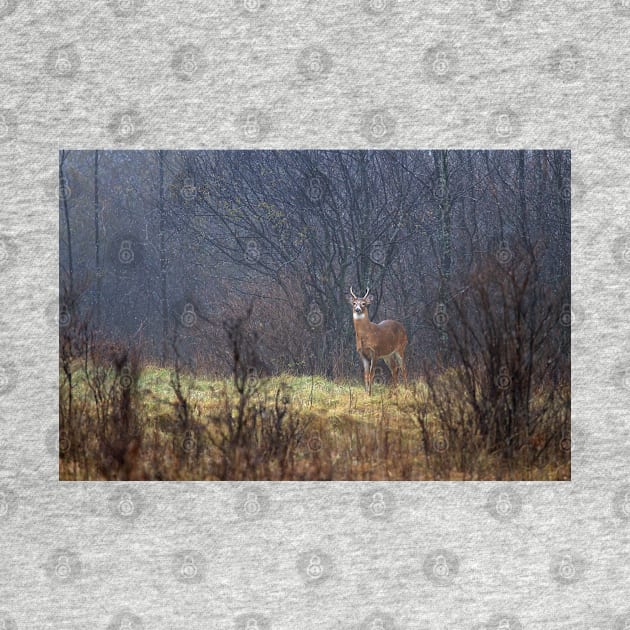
[(366, 373), (372, 370), (392, 364)]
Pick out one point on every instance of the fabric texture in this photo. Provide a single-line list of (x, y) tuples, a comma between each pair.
[(266, 74)]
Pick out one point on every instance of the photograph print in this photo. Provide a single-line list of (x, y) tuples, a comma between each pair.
[(314, 315)]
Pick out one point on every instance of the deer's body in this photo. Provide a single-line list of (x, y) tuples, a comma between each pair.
[(386, 341)]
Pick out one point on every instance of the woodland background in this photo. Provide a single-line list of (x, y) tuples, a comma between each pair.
[(160, 247)]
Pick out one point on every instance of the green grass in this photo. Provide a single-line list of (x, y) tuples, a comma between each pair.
[(313, 396), (363, 437)]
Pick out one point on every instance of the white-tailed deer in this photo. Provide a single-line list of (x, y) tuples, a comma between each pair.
[(386, 341)]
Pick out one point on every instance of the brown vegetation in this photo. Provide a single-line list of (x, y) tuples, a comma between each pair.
[(496, 405)]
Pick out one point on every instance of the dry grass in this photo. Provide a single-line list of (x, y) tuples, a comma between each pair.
[(167, 426)]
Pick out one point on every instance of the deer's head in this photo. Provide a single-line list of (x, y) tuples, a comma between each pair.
[(359, 304)]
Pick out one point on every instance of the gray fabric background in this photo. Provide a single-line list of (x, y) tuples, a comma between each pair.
[(264, 73)]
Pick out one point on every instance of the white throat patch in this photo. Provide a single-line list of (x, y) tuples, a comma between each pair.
[(358, 315)]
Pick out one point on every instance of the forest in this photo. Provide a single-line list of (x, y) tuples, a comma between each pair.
[(205, 329)]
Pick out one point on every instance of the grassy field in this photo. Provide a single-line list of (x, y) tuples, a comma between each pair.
[(161, 426)]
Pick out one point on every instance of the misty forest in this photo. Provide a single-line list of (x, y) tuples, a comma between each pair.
[(208, 329)]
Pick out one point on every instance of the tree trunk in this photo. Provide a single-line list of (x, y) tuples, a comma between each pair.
[(97, 245), (440, 159), (64, 202), (163, 260)]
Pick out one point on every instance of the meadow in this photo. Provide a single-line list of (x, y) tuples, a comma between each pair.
[(215, 309), (125, 423)]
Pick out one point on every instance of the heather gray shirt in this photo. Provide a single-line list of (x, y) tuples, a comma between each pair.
[(264, 73)]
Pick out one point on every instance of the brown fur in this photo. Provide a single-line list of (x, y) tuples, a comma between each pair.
[(386, 341)]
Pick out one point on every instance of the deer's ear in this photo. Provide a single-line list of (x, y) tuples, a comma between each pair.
[(369, 299)]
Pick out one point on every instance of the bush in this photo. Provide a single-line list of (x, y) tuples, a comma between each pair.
[(502, 384)]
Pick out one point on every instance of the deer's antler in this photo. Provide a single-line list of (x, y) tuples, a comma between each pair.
[(366, 293), (352, 294)]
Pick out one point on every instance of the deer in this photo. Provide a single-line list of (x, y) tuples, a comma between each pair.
[(386, 341)]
